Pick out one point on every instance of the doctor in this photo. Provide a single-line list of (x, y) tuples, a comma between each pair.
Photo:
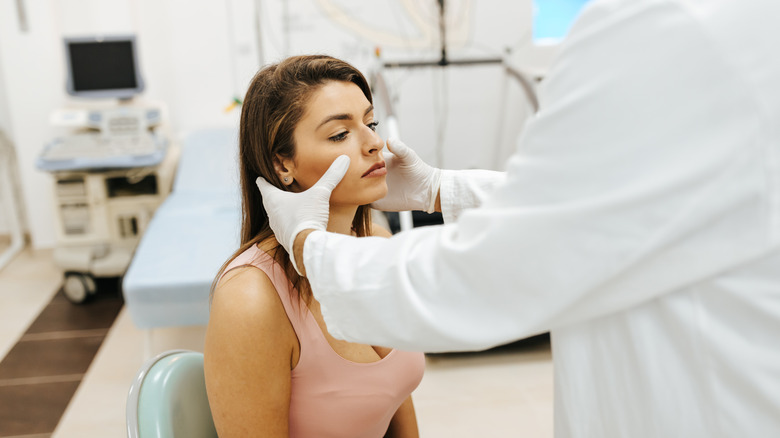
[(638, 222)]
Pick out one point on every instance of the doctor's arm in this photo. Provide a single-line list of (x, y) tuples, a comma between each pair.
[(414, 185), (626, 175)]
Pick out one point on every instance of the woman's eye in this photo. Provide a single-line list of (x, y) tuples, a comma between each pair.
[(373, 125), (339, 137)]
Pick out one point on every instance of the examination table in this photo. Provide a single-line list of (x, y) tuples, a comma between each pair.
[(190, 236)]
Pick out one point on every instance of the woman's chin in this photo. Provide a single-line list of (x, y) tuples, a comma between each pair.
[(364, 197), (381, 193)]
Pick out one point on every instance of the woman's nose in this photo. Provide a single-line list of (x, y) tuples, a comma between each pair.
[(374, 144)]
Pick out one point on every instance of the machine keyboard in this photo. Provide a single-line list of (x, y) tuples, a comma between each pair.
[(96, 146)]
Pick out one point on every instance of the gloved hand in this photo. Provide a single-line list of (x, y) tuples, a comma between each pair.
[(411, 183), (290, 213)]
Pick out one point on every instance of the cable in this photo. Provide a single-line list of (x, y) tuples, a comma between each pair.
[(259, 32), (440, 112), (21, 13), (341, 18), (232, 46), (443, 32), (404, 35), (286, 27), (261, 11)]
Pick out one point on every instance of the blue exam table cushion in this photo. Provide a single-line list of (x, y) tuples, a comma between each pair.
[(190, 236)]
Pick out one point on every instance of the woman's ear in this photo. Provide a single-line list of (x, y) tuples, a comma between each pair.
[(285, 168)]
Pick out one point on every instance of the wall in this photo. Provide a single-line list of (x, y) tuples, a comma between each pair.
[(197, 55), (5, 116), (28, 60), (5, 124)]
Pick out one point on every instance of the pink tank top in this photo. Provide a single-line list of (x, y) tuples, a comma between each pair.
[(332, 396)]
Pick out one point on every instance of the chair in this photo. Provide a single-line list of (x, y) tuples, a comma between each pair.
[(168, 398)]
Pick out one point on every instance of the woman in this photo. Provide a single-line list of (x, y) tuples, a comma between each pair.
[(272, 368)]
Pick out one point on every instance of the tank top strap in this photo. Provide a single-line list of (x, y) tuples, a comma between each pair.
[(294, 307)]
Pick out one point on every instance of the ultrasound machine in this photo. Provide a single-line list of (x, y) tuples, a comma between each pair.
[(111, 161)]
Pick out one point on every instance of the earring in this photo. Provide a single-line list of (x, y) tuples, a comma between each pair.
[(286, 179)]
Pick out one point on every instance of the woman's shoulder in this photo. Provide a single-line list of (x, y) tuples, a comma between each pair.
[(246, 292), (249, 341), (246, 310)]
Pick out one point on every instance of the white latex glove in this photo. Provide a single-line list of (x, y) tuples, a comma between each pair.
[(411, 183), (290, 213)]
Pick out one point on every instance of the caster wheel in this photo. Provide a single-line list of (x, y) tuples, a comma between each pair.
[(78, 287)]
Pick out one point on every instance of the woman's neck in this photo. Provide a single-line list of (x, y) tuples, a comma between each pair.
[(340, 219)]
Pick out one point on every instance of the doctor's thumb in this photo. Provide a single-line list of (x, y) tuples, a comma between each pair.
[(398, 148), (265, 187), (334, 174)]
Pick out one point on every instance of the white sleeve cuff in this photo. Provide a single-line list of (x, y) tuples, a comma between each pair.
[(464, 189)]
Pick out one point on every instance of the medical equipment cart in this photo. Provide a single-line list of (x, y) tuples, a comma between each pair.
[(109, 178)]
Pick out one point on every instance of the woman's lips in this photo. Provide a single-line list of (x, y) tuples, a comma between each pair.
[(377, 169)]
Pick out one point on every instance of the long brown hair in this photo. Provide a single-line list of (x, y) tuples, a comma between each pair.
[(274, 104)]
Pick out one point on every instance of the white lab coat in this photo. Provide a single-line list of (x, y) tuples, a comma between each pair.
[(639, 223)]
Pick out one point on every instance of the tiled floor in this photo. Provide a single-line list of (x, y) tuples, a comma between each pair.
[(505, 392), (41, 372)]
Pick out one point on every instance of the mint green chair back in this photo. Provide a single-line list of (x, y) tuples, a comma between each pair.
[(168, 398)]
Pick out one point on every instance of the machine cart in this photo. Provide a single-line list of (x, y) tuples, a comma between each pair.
[(104, 196)]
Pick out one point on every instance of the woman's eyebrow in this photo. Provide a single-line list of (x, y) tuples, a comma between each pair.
[(343, 116)]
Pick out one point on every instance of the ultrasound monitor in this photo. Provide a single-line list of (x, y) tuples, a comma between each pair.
[(103, 67)]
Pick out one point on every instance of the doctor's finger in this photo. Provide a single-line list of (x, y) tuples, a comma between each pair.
[(265, 187), (398, 148), (334, 174)]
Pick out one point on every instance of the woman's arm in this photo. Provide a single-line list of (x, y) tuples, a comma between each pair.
[(248, 357), (404, 422)]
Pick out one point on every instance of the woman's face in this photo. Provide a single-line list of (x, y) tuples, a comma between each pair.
[(339, 120)]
